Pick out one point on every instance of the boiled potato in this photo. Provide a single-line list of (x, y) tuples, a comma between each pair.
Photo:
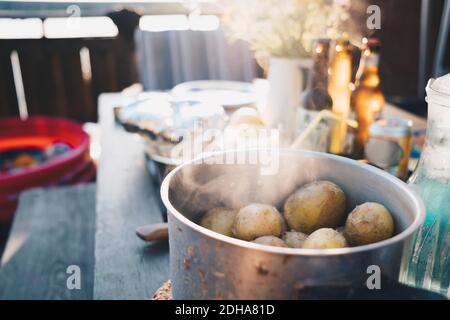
[(219, 220), (316, 205), (368, 223), (325, 238), (294, 239), (270, 241), (246, 116), (257, 220)]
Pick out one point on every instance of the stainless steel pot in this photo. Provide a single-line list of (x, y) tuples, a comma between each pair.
[(208, 265)]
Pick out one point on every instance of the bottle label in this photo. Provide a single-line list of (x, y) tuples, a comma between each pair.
[(318, 138)]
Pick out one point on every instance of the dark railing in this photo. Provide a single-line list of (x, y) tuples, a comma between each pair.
[(52, 73), (54, 83), (53, 79)]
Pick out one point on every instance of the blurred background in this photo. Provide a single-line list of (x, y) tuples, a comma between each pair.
[(56, 57)]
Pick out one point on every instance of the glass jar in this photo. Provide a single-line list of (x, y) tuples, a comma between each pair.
[(428, 265)]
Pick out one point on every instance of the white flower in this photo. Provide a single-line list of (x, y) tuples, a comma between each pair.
[(284, 28)]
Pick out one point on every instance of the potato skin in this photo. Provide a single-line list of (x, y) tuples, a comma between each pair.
[(319, 204), (368, 223), (271, 241), (294, 239), (257, 220), (325, 238), (219, 220)]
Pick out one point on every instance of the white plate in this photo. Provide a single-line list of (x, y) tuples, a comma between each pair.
[(229, 94)]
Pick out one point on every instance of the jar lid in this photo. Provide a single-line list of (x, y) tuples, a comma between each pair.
[(438, 90)]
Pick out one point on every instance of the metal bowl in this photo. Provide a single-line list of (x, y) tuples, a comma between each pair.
[(208, 265)]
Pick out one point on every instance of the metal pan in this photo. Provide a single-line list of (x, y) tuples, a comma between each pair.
[(208, 265)]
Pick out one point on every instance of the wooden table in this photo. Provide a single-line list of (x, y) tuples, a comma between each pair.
[(125, 266), (90, 226), (58, 227)]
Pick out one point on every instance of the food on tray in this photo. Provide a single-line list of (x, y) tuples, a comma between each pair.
[(25, 160), (257, 220), (166, 124), (294, 239), (56, 150), (219, 220), (315, 214), (319, 204), (368, 223), (20, 159), (270, 241), (325, 238)]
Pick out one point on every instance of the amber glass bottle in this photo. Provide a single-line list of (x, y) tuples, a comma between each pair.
[(316, 97), (367, 100), (339, 90)]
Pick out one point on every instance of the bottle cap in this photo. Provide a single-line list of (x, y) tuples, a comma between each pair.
[(373, 42)]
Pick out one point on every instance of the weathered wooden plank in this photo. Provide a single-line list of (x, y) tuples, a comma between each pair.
[(125, 266), (32, 56), (53, 229), (79, 98), (104, 73)]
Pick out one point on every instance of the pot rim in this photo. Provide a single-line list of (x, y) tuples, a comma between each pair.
[(414, 197)]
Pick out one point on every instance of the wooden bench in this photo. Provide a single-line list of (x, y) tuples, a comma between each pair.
[(52, 230)]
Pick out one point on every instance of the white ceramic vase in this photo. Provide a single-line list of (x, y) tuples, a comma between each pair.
[(286, 83)]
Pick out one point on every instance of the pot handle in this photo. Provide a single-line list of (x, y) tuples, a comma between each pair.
[(153, 232)]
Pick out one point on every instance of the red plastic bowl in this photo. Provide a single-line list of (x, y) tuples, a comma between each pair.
[(81, 173), (41, 132)]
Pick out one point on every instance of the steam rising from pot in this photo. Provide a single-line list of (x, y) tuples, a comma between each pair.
[(208, 185)]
